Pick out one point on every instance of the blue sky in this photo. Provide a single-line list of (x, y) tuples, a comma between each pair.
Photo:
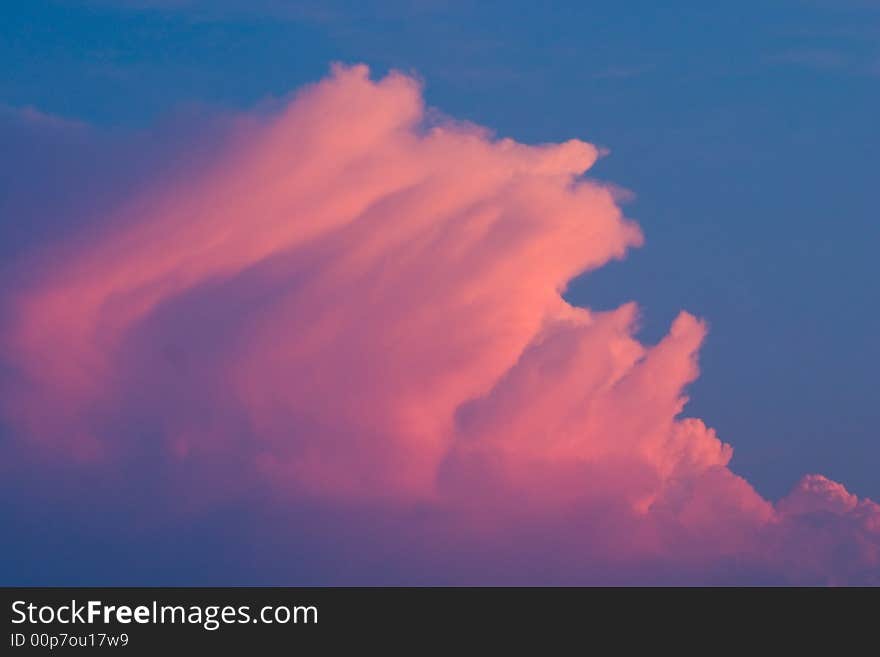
[(747, 131)]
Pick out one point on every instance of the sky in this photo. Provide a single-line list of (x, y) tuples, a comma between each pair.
[(234, 303)]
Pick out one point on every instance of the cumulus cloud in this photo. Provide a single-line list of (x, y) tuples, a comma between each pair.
[(352, 305)]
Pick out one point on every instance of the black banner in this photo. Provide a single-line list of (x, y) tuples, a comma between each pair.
[(174, 621)]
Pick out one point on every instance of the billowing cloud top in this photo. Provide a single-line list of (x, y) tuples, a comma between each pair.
[(351, 305)]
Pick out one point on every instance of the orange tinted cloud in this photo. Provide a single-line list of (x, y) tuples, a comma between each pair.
[(355, 304)]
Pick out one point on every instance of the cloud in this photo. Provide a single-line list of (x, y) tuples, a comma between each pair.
[(350, 311), (829, 61), (823, 60)]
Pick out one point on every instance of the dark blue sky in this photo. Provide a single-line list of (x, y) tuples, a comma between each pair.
[(747, 130)]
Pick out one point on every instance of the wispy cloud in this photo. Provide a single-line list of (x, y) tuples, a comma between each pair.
[(623, 72)]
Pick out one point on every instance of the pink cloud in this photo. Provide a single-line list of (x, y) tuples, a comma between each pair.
[(353, 306)]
